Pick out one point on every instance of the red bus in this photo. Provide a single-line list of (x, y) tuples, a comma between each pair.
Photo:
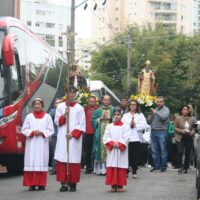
[(29, 68)]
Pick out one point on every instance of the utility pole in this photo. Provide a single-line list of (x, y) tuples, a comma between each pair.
[(73, 7), (129, 64)]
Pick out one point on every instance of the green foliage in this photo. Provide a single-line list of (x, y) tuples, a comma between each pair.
[(174, 57)]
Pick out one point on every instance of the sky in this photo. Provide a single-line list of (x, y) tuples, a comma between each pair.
[(83, 22), (82, 18)]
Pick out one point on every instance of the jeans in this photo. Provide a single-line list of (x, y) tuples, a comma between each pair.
[(159, 149)]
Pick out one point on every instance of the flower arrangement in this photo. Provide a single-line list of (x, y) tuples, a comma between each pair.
[(82, 96), (145, 100)]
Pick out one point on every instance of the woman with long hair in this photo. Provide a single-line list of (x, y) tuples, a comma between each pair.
[(137, 124), (184, 133)]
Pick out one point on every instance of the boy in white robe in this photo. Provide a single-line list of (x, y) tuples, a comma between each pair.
[(37, 128), (68, 164), (116, 139)]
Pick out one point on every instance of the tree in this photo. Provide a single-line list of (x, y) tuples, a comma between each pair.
[(174, 57)]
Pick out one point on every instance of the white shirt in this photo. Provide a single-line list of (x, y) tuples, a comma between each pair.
[(140, 126)]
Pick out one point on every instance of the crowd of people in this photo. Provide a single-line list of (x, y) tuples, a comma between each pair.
[(105, 140)]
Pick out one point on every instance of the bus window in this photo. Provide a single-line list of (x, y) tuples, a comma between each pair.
[(18, 70), (15, 87), (20, 54), (114, 102), (53, 72), (37, 58), (103, 92), (4, 76)]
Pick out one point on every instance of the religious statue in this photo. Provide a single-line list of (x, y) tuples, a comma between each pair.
[(146, 80), (76, 79)]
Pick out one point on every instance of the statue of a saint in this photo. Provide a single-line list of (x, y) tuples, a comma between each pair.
[(76, 79), (146, 80)]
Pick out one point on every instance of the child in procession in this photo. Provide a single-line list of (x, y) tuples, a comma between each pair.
[(116, 138), (37, 128)]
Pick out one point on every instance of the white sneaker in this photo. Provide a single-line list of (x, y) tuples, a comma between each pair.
[(135, 176)]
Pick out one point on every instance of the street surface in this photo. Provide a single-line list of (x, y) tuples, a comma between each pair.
[(149, 186)]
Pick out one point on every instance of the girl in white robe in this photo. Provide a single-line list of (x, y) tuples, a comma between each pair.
[(37, 128), (116, 139)]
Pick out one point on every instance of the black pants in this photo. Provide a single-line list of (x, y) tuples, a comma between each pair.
[(134, 153), (88, 145), (185, 144)]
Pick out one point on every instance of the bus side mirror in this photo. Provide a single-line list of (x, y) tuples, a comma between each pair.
[(7, 51)]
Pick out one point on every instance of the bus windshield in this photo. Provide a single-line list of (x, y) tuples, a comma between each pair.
[(3, 75)]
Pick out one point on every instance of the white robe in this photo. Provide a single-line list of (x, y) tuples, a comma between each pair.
[(37, 147), (140, 125), (116, 157), (76, 121)]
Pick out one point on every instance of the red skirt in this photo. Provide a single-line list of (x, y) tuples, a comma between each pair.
[(74, 170), (34, 178), (116, 176)]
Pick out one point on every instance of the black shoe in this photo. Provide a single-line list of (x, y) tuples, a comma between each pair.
[(88, 171), (163, 170), (72, 187), (154, 170), (180, 171), (185, 171), (32, 188), (63, 189), (41, 188)]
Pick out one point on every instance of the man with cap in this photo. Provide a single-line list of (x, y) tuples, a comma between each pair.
[(68, 159)]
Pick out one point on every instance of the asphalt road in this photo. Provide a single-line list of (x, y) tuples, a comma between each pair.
[(149, 186)]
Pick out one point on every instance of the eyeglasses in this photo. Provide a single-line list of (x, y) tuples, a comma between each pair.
[(133, 104)]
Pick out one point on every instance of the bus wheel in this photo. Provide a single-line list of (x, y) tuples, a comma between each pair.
[(15, 164)]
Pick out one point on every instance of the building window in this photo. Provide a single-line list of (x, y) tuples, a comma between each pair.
[(50, 37), (29, 23), (117, 9), (37, 24), (116, 18), (40, 12), (60, 26), (50, 25)]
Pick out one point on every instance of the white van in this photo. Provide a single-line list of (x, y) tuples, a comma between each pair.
[(99, 89)]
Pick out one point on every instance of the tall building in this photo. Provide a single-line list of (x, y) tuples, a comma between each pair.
[(10, 8), (83, 55), (47, 18), (181, 15)]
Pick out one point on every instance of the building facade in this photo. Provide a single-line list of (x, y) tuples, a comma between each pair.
[(10, 8), (49, 19), (181, 15)]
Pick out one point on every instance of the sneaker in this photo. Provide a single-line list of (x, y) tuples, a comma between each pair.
[(135, 176), (185, 171)]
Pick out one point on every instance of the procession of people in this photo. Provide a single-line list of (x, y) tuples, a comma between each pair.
[(115, 140)]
